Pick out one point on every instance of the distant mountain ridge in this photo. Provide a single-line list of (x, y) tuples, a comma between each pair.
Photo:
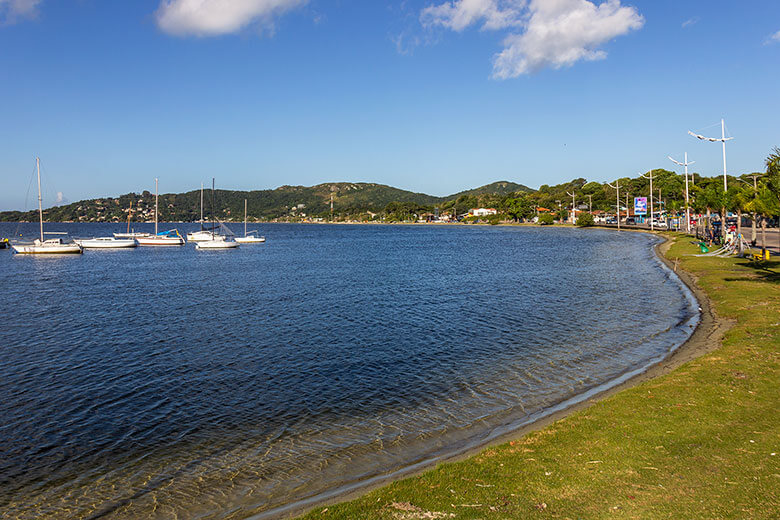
[(283, 202)]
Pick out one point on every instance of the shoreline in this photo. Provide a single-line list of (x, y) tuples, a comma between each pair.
[(705, 338)]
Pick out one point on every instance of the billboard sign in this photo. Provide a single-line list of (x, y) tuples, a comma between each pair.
[(640, 205)]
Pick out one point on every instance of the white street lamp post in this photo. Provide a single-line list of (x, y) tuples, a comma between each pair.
[(617, 199), (687, 206), (572, 206), (721, 139)]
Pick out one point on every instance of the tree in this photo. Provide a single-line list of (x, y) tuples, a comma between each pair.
[(518, 207), (585, 220), (546, 219)]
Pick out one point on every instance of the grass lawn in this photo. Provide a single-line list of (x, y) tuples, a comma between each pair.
[(700, 442)]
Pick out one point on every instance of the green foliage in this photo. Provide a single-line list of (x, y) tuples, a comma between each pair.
[(545, 219), (585, 220)]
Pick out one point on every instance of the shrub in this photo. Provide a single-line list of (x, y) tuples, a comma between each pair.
[(545, 219), (585, 220)]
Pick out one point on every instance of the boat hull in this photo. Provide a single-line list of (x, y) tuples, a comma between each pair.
[(217, 244), (250, 240), (61, 249), (199, 236), (107, 243), (160, 241)]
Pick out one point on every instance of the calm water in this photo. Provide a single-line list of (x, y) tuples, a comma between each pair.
[(162, 383)]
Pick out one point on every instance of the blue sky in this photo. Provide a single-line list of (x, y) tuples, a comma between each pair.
[(430, 96)]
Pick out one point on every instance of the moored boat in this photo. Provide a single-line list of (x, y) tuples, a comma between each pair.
[(162, 238), (222, 240), (50, 246), (106, 243), (249, 238), (218, 242), (42, 246)]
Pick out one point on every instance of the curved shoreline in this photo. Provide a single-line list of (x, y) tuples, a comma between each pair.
[(705, 338)]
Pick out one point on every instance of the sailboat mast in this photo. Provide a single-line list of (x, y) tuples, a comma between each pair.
[(156, 197), (201, 206), (244, 217), (40, 199), (129, 215), (213, 213)]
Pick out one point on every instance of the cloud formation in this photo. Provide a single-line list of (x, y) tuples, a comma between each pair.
[(552, 33), (13, 10), (775, 37), (216, 17), (690, 21), (459, 14)]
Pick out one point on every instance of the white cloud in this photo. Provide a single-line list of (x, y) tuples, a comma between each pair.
[(561, 32), (775, 37), (690, 21), (553, 33), (459, 14), (13, 10), (215, 17)]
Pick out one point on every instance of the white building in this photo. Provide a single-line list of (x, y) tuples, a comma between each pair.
[(482, 212)]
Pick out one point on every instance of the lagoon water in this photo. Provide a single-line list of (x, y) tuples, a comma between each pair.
[(175, 383)]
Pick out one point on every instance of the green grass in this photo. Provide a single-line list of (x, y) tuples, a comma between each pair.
[(695, 443)]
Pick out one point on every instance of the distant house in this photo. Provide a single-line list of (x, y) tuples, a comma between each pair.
[(482, 212)]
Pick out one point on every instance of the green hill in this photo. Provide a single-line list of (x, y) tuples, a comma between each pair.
[(495, 188), (285, 202)]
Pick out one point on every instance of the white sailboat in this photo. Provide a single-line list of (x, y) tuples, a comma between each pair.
[(203, 234), (106, 243), (130, 233), (42, 246), (163, 238), (249, 238), (217, 241)]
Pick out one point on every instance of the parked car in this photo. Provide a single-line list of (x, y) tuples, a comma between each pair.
[(660, 224)]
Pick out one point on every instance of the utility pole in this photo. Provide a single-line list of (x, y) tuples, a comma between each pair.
[(572, 206), (590, 204), (755, 177), (650, 176), (687, 204), (723, 140), (617, 188)]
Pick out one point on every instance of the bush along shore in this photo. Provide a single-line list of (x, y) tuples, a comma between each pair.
[(698, 436)]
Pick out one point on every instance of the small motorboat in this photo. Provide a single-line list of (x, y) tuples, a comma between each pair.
[(4, 243), (106, 243)]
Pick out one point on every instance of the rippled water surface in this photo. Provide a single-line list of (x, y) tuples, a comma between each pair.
[(154, 383)]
